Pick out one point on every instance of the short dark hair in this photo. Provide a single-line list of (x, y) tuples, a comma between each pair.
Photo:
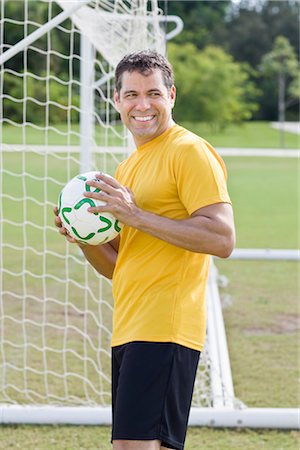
[(144, 62)]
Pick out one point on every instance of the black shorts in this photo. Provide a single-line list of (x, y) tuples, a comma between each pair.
[(152, 387)]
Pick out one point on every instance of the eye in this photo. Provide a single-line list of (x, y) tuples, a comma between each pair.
[(155, 94), (130, 95)]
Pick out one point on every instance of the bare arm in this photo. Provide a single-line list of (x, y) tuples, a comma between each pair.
[(101, 257), (209, 230)]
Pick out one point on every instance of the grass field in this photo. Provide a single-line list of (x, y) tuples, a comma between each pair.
[(247, 135), (97, 438), (261, 323), (262, 326), (265, 198), (260, 308)]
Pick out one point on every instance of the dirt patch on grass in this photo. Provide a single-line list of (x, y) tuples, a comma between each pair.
[(282, 324)]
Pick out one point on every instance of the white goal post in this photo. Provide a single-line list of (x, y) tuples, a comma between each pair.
[(57, 119)]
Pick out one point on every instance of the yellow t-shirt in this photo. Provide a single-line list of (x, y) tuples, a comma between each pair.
[(158, 288)]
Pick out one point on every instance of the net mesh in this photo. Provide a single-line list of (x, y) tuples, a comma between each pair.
[(55, 310), (115, 27)]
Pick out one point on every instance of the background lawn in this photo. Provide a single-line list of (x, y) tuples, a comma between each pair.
[(98, 438), (260, 307), (247, 135), (265, 199)]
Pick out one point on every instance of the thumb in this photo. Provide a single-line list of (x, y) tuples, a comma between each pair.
[(129, 191)]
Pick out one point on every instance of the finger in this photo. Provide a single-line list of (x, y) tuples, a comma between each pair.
[(71, 239), (102, 196), (55, 210), (98, 209), (101, 185), (129, 191), (108, 179), (58, 222), (64, 232)]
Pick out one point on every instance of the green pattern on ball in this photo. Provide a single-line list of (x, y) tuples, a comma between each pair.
[(116, 226), (88, 188), (83, 201), (107, 221), (84, 238), (63, 213), (59, 202)]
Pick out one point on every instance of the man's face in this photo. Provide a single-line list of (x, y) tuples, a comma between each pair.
[(145, 105)]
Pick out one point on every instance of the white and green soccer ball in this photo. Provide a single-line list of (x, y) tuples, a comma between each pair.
[(86, 227)]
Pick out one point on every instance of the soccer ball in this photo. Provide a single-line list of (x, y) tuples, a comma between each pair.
[(85, 227)]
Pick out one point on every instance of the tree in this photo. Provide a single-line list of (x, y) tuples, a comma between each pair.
[(282, 19), (248, 37), (211, 86), (204, 21), (37, 14), (281, 62), (246, 29), (252, 27)]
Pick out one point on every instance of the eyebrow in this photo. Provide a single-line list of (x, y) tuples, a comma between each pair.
[(154, 90), (132, 91)]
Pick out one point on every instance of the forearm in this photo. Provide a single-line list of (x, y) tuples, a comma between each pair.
[(209, 230), (102, 257), (199, 234)]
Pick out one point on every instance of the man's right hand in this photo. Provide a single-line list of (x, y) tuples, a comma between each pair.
[(102, 257), (62, 230)]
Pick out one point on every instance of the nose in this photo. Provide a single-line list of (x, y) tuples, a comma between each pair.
[(142, 103)]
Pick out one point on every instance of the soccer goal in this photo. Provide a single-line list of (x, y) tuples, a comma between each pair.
[(57, 119)]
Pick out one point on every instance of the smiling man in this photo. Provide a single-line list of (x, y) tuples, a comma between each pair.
[(171, 196), (145, 104)]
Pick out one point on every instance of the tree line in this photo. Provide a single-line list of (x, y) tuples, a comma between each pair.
[(233, 61), (236, 60)]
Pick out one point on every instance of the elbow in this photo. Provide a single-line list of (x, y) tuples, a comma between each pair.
[(110, 273), (107, 274), (225, 252), (226, 246)]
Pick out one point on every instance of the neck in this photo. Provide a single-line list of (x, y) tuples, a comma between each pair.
[(141, 141)]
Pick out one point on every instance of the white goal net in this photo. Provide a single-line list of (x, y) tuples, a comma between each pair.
[(58, 119)]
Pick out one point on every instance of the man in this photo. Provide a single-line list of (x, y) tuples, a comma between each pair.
[(171, 196)]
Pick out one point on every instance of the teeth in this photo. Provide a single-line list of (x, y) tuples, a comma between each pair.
[(143, 119)]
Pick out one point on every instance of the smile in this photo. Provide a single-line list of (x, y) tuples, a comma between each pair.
[(143, 118)]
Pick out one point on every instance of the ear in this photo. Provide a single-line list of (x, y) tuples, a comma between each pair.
[(173, 95), (116, 99)]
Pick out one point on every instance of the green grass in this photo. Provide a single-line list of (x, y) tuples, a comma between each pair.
[(60, 134), (98, 438), (247, 135), (265, 200), (260, 317), (261, 324)]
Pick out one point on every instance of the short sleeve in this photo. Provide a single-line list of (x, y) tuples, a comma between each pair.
[(200, 176)]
